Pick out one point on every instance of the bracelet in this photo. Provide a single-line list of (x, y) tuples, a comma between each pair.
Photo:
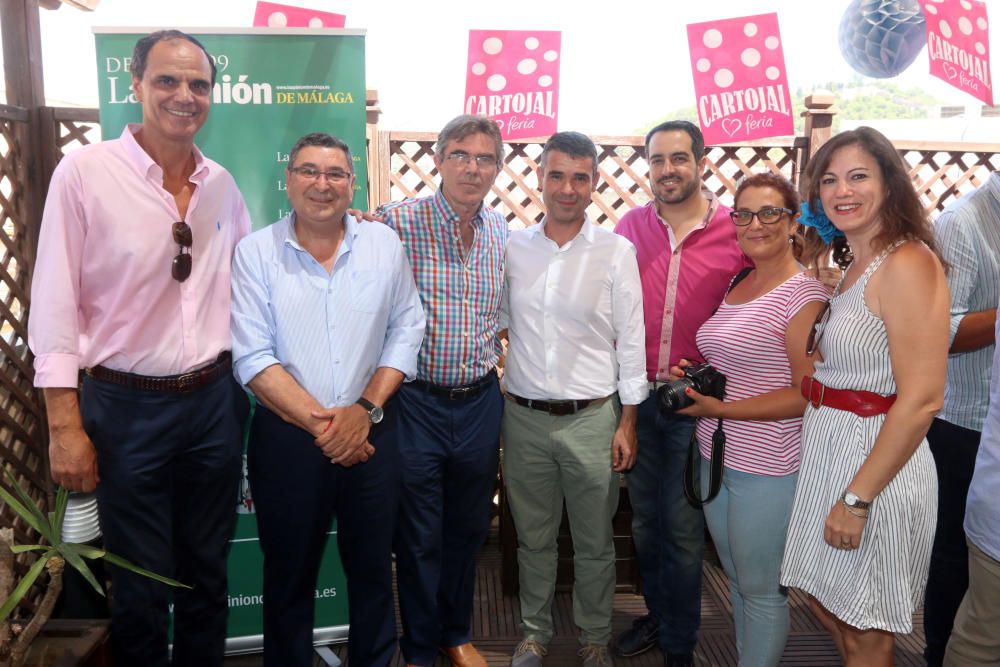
[(855, 512)]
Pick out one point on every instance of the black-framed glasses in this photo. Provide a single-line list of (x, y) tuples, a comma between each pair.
[(180, 269), (767, 215), (313, 174), (463, 159), (816, 334)]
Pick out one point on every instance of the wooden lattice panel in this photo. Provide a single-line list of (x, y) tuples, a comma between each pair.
[(75, 128), (21, 420), (941, 172), (622, 174)]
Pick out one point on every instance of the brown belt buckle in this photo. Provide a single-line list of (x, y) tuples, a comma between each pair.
[(188, 382)]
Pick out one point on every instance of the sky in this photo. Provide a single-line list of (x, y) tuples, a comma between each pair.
[(624, 64)]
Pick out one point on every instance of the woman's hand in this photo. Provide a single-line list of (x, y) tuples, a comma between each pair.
[(703, 406), (843, 529), (677, 372)]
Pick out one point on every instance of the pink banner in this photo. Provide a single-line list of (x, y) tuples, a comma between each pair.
[(958, 45), (513, 77), (274, 15), (739, 79)]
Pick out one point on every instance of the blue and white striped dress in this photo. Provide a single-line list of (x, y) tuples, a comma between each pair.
[(881, 583)]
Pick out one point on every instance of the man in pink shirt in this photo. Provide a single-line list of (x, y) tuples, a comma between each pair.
[(688, 253), (131, 293)]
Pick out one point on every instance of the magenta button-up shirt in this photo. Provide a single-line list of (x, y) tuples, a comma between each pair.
[(682, 283), (102, 293)]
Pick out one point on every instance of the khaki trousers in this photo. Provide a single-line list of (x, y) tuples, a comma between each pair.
[(547, 459), (975, 638)]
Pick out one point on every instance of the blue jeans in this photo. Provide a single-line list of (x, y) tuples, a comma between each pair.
[(669, 534), (748, 521)]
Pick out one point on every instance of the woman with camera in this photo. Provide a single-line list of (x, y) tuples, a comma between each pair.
[(757, 340), (863, 521)]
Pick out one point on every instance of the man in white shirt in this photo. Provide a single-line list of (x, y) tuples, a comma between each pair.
[(574, 376)]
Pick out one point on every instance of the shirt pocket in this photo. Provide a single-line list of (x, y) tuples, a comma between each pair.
[(368, 291)]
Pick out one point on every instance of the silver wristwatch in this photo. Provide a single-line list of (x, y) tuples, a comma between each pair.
[(375, 413), (852, 500)]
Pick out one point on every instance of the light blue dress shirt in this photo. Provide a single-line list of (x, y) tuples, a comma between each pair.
[(968, 232), (329, 330)]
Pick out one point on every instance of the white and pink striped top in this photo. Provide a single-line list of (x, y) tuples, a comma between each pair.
[(746, 343)]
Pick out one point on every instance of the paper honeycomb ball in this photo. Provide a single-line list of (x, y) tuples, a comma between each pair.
[(881, 38)]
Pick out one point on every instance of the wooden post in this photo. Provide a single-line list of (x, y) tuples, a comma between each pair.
[(372, 146), (22, 59), (819, 115)]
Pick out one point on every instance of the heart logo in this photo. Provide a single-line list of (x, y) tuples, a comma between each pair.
[(949, 70), (731, 125)]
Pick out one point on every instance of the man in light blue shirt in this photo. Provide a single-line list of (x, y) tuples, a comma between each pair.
[(969, 235), (327, 322), (975, 640)]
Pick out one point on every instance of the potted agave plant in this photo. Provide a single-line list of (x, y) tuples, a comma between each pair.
[(15, 638)]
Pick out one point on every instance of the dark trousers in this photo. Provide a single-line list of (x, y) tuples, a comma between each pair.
[(449, 452), (669, 534), (954, 449), (169, 467), (297, 493)]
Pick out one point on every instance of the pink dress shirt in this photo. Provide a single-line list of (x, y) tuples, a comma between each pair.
[(102, 293), (682, 283)]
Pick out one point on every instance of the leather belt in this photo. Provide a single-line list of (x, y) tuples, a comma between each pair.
[(168, 384), (557, 408), (861, 403), (460, 392)]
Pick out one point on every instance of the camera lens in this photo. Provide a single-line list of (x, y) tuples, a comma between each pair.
[(672, 396)]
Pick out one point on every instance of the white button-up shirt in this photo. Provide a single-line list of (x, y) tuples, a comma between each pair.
[(575, 317)]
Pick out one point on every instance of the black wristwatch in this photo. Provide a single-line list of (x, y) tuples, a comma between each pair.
[(375, 413)]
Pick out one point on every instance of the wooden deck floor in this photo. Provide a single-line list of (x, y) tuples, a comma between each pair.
[(496, 619)]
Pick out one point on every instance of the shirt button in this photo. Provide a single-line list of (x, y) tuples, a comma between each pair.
[(336, 361)]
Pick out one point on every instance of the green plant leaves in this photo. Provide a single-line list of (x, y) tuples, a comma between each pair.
[(22, 587)]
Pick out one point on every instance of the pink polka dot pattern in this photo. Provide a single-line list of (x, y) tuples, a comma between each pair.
[(739, 79), (958, 45), (513, 77), (275, 15)]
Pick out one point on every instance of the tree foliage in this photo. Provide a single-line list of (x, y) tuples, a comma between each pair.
[(858, 99)]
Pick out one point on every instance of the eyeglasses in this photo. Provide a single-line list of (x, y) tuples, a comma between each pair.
[(815, 335), (767, 215), (181, 267), (311, 174), (463, 159)]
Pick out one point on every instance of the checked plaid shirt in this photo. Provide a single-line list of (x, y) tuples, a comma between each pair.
[(461, 296)]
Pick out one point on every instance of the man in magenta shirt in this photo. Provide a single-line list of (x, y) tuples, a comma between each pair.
[(688, 253), (131, 292)]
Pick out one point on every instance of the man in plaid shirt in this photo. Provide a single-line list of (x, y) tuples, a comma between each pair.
[(449, 421)]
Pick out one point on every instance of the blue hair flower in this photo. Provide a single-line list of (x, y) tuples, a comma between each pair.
[(817, 220)]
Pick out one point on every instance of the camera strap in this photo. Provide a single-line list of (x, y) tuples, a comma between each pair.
[(718, 444)]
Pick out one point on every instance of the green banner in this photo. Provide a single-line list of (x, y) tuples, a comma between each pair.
[(273, 86)]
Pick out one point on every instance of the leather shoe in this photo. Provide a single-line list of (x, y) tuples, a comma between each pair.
[(639, 638), (678, 660), (464, 655)]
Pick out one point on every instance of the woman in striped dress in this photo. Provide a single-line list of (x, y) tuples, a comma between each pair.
[(863, 520), (757, 340)]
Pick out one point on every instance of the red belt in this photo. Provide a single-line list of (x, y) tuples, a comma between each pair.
[(861, 403)]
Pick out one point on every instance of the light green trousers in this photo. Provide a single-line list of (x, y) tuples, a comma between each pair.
[(547, 459)]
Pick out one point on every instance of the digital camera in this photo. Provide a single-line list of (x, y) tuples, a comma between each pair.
[(703, 378)]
